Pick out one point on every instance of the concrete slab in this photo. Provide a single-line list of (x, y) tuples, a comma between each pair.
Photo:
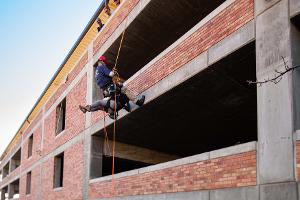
[(280, 191), (250, 146), (247, 193), (294, 7), (262, 5), (235, 41), (198, 195)]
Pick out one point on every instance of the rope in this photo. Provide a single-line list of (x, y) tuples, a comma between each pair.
[(115, 110)]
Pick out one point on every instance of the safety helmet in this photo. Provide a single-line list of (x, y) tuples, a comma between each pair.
[(102, 58)]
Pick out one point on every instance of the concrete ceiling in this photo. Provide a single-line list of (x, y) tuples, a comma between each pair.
[(214, 109)]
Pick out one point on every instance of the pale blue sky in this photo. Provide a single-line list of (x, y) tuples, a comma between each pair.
[(35, 37)]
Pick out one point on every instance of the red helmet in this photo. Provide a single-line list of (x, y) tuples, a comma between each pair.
[(102, 58)]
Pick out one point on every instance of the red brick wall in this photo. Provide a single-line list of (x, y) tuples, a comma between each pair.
[(121, 14), (35, 185), (225, 172), (72, 75), (73, 175), (75, 119), (225, 23), (298, 159), (36, 149), (33, 123)]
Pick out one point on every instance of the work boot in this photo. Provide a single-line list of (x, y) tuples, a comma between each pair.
[(111, 114), (127, 107), (141, 101), (85, 109)]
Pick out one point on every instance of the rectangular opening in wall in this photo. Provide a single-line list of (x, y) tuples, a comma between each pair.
[(28, 183), (121, 165), (15, 160), (58, 171), (14, 191), (1, 175), (60, 117), (127, 157), (4, 193), (30, 145), (6, 170)]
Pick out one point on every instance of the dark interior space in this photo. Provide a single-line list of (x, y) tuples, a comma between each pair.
[(6, 170), (14, 189), (158, 26), (4, 193), (214, 109), (16, 160), (121, 165), (296, 21)]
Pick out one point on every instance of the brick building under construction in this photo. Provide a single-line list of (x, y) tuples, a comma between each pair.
[(204, 133)]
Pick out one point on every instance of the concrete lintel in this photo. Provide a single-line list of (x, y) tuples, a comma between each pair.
[(297, 135), (241, 148), (279, 191), (294, 7), (231, 43), (184, 161), (244, 193), (261, 5), (197, 195)]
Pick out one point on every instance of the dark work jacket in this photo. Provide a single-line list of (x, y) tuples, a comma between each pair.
[(102, 76)]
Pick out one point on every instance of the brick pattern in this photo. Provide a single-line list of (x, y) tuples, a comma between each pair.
[(35, 185), (298, 159), (118, 18), (34, 123), (225, 23), (75, 119), (36, 150), (225, 172), (72, 75), (73, 175)]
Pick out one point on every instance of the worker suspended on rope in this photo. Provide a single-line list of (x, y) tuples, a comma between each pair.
[(104, 78)]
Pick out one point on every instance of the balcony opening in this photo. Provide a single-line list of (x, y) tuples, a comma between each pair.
[(58, 171), (14, 190), (4, 193), (127, 157), (186, 120), (60, 117), (30, 145), (158, 26), (121, 165), (5, 170), (15, 162)]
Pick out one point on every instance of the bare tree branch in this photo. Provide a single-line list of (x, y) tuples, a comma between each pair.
[(278, 75)]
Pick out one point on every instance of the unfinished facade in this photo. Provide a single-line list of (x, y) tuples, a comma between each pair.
[(204, 133)]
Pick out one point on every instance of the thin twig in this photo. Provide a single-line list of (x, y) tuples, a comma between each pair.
[(278, 75)]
